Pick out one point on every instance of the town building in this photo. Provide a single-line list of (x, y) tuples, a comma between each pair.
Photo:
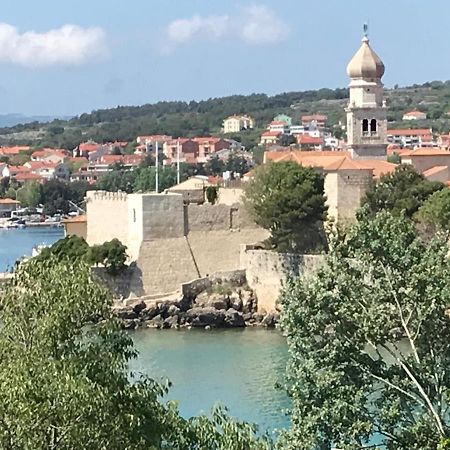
[(208, 146), (49, 155), (414, 115), (183, 147), (7, 206), (314, 121), (409, 138), (280, 126), (270, 137), (237, 123), (283, 118)]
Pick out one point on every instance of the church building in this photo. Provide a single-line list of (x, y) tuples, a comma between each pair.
[(348, 174)]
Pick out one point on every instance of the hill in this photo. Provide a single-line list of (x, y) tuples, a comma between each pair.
[(205, 117)]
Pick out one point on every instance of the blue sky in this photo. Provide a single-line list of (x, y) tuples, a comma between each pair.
[(78, 55)]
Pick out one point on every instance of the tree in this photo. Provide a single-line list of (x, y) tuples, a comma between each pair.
[(64, 380), (215, 166), (401, 192), (435, 211), (212, 194), (112, 254), (71, 248), (369, 339), (29, 194), (236, 164), (288, 200)]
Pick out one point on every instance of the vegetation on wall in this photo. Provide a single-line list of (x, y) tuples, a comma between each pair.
[(288, 200), (112, 255)]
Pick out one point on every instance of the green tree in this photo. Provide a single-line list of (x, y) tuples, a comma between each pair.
[(64, 380), (288, 200), (215, 166), (435, 212), (112, 254), (401, 192), (71, 248), (212, 194), (369, 340), (29, 194)]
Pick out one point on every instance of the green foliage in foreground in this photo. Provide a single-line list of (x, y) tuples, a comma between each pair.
[(402, 192), (435, 212), (112, 255), (369, 340), (288, 200), (64, 381)]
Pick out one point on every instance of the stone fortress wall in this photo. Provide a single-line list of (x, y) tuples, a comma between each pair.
[(172, 243)]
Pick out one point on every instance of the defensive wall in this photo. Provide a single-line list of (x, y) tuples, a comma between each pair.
[(171, 243), (267, 271)]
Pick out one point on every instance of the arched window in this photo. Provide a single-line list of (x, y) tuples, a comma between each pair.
[(373, 126), (365, 127)]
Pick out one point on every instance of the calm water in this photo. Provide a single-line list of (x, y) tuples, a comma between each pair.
[(17, 243), (237, 368)]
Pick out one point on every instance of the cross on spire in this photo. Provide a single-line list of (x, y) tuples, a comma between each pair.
[(366, 29)]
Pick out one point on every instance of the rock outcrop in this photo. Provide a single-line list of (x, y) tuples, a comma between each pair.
[(216, 307)]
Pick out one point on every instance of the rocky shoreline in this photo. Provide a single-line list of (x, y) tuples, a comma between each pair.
[(219, 307)]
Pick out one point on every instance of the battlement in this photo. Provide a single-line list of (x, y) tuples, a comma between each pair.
[(106, 196)]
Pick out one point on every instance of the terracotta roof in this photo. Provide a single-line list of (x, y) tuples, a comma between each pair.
[(27, 176), (434, 170), (76, 219), (211, 139), (8, 201), (414, 113), (18, 169), (427, 151), (307, 139), (314, 117), (332, 161), (410, 132), (13, 150), (88, 147), (271, 133), (37, 165)]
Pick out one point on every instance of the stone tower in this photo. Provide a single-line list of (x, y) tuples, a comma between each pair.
[(366, 111)]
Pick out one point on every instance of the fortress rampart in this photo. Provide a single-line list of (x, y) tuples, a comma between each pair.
[(172, 243)]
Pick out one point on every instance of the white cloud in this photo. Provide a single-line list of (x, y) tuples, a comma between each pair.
[(183, 30), (255, 25), (69, 45), (263, 26)]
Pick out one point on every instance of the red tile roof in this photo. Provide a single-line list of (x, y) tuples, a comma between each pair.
[(434, 170), (306, 139), (410, 132), (427, 151)]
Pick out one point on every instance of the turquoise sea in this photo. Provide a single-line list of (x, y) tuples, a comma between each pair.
[(16, 243), (237, 368)]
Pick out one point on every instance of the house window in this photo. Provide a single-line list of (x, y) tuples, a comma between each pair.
[(373, 127), (134, 215)]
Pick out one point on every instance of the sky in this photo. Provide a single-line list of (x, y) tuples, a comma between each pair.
[(75, 56)]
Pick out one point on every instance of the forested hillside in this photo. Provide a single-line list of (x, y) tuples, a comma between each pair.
[(205, 117)]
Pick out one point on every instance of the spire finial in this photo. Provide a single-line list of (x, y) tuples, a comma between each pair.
[(366, 32)]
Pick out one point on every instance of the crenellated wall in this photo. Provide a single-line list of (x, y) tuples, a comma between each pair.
[(171, 242)]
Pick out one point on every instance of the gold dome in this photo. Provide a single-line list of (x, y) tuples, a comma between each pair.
[(366, 63)]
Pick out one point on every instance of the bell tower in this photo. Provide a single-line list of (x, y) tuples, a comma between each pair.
[(366, 111)]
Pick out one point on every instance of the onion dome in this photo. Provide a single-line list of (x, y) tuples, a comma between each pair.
[(366, 63)]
